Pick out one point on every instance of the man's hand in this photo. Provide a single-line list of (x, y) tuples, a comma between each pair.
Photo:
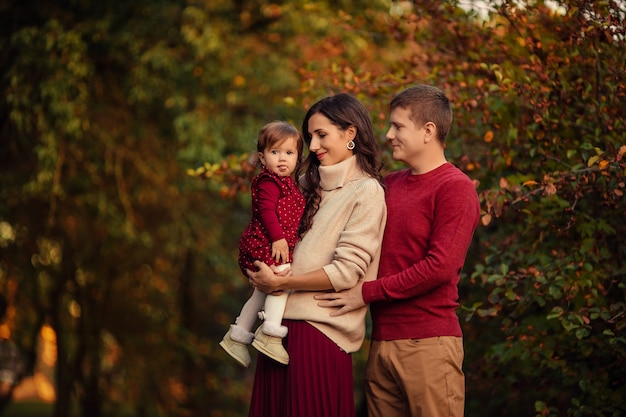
[(347, 300)]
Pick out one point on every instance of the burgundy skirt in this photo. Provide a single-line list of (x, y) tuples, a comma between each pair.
[(317, 382)]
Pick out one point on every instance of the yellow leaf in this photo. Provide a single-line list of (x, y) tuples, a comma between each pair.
[(603, 164), (486, 219), (530, 182), (488, 136), (592, 160)]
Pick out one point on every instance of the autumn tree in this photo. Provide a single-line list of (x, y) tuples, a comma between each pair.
[(106, 238), (108, 241)]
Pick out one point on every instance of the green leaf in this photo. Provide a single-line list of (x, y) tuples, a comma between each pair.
[(556, 312)]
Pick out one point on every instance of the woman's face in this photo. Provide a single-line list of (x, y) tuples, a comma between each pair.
[(328, 141)]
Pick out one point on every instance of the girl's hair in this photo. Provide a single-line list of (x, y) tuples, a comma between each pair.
[(276, 132), (343, 110), (426, 104)]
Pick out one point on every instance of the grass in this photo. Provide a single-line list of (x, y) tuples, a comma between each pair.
[(28, 409)]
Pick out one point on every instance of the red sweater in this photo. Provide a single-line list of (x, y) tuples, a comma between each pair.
[(430, 222)]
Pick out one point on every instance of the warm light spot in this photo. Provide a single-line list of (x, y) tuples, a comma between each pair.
[(48, 346), (55, 254), (5, 331), (7, 234), (74, 309), (44, 388), (239, 81), (48, 334), (488, 136)]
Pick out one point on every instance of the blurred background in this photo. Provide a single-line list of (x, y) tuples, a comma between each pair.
[(125, 128)]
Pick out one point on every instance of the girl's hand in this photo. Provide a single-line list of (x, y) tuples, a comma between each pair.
[(280, 251)]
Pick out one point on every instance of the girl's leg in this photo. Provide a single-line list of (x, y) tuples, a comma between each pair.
[(239, 336), (249, 312), (269, 337), (273, 314)]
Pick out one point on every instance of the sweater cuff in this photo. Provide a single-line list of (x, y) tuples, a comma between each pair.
[(278, 236), (332, 274), (372, 291)]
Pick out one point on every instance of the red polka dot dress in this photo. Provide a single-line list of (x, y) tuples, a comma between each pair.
[(277, 206)]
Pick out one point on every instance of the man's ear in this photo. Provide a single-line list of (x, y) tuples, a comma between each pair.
[(430, 132)]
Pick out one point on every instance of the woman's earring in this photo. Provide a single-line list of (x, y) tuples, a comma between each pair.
[(350, 145)]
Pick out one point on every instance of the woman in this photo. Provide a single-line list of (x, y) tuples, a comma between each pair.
[(341, 232)]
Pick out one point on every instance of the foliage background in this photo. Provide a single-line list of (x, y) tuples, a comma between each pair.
[(106, 238)]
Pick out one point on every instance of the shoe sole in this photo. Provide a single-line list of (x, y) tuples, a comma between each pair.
[(267, 353), (233, 355)]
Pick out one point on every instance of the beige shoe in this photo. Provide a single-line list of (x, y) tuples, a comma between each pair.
[(270, 345), (238, 349)]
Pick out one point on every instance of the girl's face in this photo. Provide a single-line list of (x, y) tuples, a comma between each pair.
[(328, 141), (282, 157)]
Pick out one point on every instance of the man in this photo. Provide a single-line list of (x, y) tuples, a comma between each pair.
[(416, 355)]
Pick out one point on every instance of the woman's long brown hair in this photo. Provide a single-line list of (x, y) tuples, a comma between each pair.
[(343, 110)]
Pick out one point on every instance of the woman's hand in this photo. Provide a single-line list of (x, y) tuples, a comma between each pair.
[(267, 280), (347, 300)]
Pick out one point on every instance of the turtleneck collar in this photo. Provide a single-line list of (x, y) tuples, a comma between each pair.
[(337, 175)]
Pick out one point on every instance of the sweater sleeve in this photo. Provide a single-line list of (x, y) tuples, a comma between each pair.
[(455, 219), (360, 239), (267, 200)]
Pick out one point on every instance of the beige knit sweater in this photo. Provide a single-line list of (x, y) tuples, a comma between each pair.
[(345, 240)]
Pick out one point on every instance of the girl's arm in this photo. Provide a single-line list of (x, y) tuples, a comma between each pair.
[(267, 202)]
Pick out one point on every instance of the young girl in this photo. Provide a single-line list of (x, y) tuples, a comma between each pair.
[(277, 206)]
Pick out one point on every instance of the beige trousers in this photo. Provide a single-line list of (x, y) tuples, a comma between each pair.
[(416, 377)]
